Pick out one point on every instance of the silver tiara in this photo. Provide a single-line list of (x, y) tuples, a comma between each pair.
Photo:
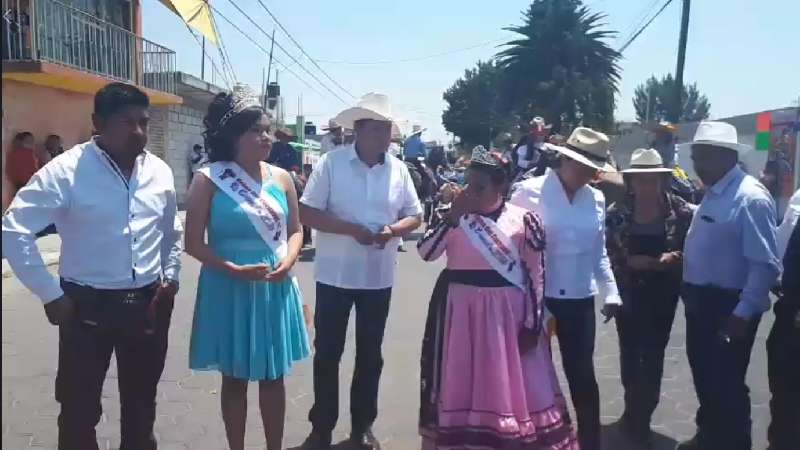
[(482, 156), (243, 98)]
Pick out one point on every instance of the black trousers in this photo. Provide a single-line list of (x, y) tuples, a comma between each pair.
[(83, 358), (330, 321), (643, 326), (575, 329), (718, 368), (783, 364)]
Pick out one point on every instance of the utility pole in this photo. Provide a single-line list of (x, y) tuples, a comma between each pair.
[(678, 107), (203, 61), (271, 49)]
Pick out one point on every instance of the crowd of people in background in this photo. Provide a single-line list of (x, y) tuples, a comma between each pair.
[(531, 234)]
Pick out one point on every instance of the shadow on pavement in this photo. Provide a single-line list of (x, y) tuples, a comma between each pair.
[(344, 445), (613, 438)]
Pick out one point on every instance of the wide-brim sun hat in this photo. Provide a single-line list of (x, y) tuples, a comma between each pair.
[(718, 134), (588, 147), (372, 106), (332, 125), (646, 160)]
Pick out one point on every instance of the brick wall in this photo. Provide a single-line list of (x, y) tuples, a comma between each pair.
[(174, 130)]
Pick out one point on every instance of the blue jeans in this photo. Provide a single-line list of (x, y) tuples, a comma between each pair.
[(718, 368)]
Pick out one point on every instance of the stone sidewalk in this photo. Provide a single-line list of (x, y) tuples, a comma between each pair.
[(188, 408)]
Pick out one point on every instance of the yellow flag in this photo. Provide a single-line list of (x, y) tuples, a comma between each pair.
[(197, 14)]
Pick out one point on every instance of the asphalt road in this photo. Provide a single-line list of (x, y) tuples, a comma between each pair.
[(188, 408)]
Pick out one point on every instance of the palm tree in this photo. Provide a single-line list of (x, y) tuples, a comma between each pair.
[(562, 68)]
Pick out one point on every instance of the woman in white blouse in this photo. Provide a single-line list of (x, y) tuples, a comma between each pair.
[(576, 264)]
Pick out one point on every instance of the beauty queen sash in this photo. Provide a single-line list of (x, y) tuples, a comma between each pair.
[(496, 247), (498, 250), (264, 212)]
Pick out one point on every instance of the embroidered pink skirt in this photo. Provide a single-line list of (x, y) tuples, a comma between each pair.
[(478, 391)]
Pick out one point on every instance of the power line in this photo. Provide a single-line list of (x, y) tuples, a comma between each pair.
[(226, 60), (417, 58), (639, 20), (636, 35), (277, 44), (280, 25), (266, 52), (205, 53)]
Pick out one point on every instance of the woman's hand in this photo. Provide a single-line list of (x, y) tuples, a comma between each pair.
[(308, 317), (527, 340), (642, 262), (250, 272), (463, 204), (280, 273)]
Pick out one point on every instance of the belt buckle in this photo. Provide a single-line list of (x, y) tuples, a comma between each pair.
[(130, 297)]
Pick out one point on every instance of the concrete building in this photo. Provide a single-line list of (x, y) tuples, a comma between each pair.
[(176, 129), (56, 55)]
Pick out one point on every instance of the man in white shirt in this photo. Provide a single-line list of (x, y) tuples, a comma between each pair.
[(577, 267), (115, 208), (361, 201), (333, 139)]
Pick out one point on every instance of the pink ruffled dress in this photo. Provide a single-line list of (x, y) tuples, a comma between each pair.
[(477, 390)]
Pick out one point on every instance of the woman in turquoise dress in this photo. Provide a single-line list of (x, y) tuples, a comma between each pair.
[(249, 318)]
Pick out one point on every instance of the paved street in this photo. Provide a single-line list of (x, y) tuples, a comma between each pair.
[(188, 409)]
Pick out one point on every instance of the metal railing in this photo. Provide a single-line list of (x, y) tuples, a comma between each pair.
[(48, 30)]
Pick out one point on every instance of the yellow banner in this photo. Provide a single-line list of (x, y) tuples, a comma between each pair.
[(197, 14)]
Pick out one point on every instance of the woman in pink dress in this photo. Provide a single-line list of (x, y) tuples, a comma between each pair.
[(488, 380)]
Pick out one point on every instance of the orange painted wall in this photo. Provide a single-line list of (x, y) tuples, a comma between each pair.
[(43, 111)]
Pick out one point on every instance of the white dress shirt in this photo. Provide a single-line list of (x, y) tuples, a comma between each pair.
[(576, 262), (374, 197), (115, 233)]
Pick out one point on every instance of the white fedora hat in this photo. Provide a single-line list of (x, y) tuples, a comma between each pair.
[(647, 160), (372, 106), (588, 147), (718, 134)]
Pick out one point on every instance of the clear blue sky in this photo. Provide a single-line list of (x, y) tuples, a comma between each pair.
[(743, 54)]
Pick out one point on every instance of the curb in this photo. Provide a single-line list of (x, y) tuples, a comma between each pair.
[(50, 259)]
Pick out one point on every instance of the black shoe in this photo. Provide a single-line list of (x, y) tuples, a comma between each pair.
[(691, 444), (364, 441), (316, 441), (637, 433)]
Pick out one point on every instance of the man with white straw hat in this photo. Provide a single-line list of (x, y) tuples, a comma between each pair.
[(361, 201), (576, 264), (333, 138), (414, 148), (730, 265)]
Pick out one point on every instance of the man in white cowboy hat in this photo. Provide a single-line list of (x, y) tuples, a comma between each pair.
[(577, 267), (730, 265), (414, 148), (664, 141), (361, 201), (528, 154), (333, 138)]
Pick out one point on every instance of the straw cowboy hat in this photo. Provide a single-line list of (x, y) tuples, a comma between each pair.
[(287, 132), (587, 147), (669, 127), (332, 125), (647, 160), (718, 134), (372, 106), (416, 129)]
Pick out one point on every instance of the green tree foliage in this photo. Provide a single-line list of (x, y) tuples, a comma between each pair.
[(660, 95)]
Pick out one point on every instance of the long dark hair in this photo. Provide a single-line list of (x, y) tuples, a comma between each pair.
[(221, 140)]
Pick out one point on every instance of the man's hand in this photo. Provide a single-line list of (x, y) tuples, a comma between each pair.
[(642, 262), (735, 328), (382, 238), (363, 235), (60, 311), (166, 291), (610, 311)]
